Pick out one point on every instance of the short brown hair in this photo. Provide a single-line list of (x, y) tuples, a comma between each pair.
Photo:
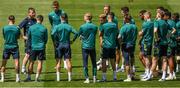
[(55, 3), (32, 9), (107, 6), (11, 17)]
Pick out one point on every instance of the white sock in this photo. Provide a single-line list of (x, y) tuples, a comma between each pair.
[(2, 76), (69, 76), (129, 76), (114, 75), (17, 76), (104, 75), (164, 75), (122, 66), (117, 66), (37, 76), (150, 74), (58, 76)]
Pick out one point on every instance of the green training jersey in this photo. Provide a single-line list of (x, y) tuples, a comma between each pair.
[(172, 38), (38, 36), (54, 17), (110, 32), (148, 31), (11, 34), (62, 32), (88, 33), (162, 31), (128, 34)]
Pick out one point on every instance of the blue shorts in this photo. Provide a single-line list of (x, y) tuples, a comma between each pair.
[(128, 53), (109, 53), (40, 54), (64, 50), (27, 47), (8, 52)]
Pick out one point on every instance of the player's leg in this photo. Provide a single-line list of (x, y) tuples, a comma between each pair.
[(171, 57), (58, 55), (85, 53), (16, 63), (94, 66), (104, 66), (6, 56), (113, 60), (30, 70), (25, 59), (67, 58), (163, 54), (41, 58), (117, 58)]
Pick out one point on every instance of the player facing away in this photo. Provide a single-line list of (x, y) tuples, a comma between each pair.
[(127, 36), (25, 24), (11, 34), (171, 51), (109, 32), (107, 10), (38, 37), (125, 12), (147, 39), (102, 19), (54, 21), (62, 33), (88, 32)]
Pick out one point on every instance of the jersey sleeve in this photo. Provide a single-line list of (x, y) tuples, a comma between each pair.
[(50, 19), (22, 24)]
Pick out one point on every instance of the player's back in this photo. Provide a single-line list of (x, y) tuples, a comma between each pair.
[(11, 33), (110, 32), (88, 32), (38, 35)]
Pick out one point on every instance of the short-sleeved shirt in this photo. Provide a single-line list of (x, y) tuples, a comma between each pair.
[(110, 32), (128, 34), (11, 33), (88, 33), (26, 23), (148, 30), (172, 38), (162, 31), (38, 36), (62, 33)]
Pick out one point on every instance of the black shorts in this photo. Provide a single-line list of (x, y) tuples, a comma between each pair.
[(64, 50), (109, 53), (178, 48), (8, 52), (40, 54), (146, 49), (171, 51), (27, 47), (163, 50)]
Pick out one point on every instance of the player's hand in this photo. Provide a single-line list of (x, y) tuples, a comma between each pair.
[(25, 38)]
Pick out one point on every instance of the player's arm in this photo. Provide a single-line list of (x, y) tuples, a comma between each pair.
[(21, 26), (50, 19), (46, 36), (75, 35), (19, 33)]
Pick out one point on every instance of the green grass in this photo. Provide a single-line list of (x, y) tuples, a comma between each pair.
[(76, 10)]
